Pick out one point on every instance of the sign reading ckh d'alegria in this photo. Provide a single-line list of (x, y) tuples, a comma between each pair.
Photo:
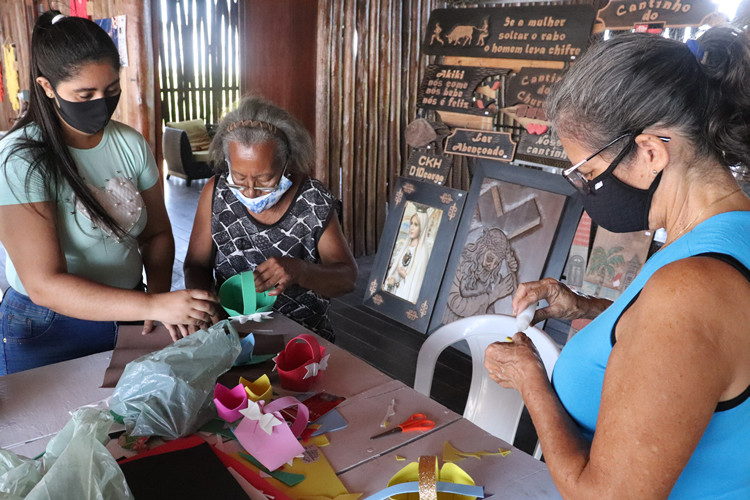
[(624, 14), (553, 33), (481, 144), (425, 165), (455, 88)]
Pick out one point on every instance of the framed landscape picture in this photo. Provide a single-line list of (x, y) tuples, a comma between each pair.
[(517, 226), (413, 252)]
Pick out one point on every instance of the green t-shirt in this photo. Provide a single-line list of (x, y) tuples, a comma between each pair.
[(117, 170)]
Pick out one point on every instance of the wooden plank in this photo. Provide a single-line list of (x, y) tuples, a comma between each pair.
[(348, 89), (323, 96)]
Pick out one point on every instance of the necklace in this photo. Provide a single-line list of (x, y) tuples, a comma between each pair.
[(704, 211)]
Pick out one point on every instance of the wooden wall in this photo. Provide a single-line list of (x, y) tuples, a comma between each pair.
[(278, 39), (16, 19), (369, 70), (138, 104)]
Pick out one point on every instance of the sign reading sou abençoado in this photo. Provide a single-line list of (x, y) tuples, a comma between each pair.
[(481, 144), (624, 14), (452, 88), (553, 33)]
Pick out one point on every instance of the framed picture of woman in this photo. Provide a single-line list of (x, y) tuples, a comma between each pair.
[(413, 251), (517, 226)]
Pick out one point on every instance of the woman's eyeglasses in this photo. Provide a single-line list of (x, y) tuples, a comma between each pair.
[(579, 181), (260, 189)]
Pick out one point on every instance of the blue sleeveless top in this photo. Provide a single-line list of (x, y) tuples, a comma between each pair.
[(720, 465)]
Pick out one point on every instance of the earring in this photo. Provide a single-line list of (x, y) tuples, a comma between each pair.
[(654, 172)]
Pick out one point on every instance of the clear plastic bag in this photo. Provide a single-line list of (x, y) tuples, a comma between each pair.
[(169, 393), (75, 465)]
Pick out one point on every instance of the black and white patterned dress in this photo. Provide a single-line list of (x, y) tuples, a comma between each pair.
[(241, 243)]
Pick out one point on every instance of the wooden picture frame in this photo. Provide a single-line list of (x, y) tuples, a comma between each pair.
[(518, 225), (413, 252)]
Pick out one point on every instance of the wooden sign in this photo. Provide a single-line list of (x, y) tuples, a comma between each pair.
[(428, 166), (553, 33), (481, 144), (453, 88), (547, 146), (531, 86), (624, 14)]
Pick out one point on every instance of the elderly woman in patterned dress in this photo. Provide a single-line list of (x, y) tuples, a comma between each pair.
[(263, 212)]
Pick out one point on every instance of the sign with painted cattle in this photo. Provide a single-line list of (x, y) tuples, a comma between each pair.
[(553, 33)]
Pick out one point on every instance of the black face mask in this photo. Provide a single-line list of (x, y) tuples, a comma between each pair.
[(616, 206), (88, 116)]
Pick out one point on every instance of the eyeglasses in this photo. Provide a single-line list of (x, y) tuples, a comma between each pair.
[(579, 181), (260, 189)]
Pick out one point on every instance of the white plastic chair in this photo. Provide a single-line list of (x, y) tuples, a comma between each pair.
[(495, 409)]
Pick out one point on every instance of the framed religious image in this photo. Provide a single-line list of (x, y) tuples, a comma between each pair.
[(517, 226), (413, 252)]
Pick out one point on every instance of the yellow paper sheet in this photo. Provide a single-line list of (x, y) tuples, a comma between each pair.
[(453, 454), (320, 478)]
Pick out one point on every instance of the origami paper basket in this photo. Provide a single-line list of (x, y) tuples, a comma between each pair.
[(273, 449), (229, 402), (238, 296), (292, 363), (422, 479)]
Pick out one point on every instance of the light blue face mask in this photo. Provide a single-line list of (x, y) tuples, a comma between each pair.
[(259, 203)]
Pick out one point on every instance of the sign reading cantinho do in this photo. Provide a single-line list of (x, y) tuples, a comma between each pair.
[(552, 33), (623, 14), (531, 86)]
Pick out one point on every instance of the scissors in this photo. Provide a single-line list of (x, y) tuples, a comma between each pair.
[(417, 422)]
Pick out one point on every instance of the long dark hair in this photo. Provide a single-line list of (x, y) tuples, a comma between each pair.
[(58, 51)]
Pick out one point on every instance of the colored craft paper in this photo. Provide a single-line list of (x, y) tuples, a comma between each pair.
[(453, 454), (218, 427), (331, 421), (257, 317), (288, 478), (252, 492), (320, 478), (2, 89), (188, 442), (229, 402), (272, 443), (132, 345), (258, 390), (192, 473), (247, 344)]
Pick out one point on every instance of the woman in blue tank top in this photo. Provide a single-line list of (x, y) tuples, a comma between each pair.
[(651, 400)]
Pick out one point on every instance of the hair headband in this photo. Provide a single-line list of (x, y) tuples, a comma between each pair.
[(57, 18), (262, 125)]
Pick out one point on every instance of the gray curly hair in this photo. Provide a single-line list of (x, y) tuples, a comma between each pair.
[(256, 120)]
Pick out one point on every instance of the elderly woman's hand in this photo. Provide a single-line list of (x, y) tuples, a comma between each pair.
[(563, 302), (515, 364), (277, 274)]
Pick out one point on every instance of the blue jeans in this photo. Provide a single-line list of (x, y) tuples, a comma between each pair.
[(35, 336)]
